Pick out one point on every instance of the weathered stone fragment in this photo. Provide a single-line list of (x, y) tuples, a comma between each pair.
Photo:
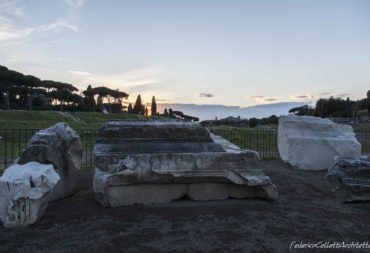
[(350, 178), (25, 191), (145, 162), (310, 143), (60, 146)]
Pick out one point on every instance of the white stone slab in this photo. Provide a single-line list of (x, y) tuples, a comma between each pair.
[(311, 143), (25, 191)]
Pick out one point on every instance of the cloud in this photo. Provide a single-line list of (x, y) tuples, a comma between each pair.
[(263, 99), (343, 95), (61, 23), (10, 32), (270, 99), (74, 7), (75, 4), (12, 8), (325, 93), (135, 80), (302, 97), (206, 95), (256, 97), (7, 32), (79, 73)]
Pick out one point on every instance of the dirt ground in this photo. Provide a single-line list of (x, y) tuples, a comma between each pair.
[(306, 211)]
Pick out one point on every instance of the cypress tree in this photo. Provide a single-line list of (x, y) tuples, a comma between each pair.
[(146, 112), (138, 107), (154, 106), (129, 109)]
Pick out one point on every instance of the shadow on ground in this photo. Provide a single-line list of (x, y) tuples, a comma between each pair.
[(306, 211)]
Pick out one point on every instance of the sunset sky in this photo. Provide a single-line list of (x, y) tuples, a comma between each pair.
[(194, 51)]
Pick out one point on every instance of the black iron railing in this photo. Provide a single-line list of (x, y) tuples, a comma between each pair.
[(13, 141), (264, 141)]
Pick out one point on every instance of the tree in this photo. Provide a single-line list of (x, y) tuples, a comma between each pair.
[(165, 112), (184, 117), (368, 104), (146, 112), (321, 108), (138, 107), (273, 119), (170, 113), (64, 96), (61, 92), (53, 85), (334, 107), (20, 90), (129, 109), (8, 78), (302, 110), (89, 99), (154, 107), (30, 83), (253, 122)]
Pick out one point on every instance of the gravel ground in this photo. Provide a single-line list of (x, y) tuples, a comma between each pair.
[(306, 211)]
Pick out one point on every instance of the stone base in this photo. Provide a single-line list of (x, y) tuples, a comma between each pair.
[(128, 195), (349, 178), (149, 162)]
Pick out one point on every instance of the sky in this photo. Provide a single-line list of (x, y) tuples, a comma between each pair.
[(235, 53)]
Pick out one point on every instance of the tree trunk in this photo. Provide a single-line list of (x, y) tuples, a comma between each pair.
[(7, 103), (29, 102)]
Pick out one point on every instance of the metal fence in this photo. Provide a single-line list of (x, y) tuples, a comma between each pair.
[(13, 141), (264, 141), (364, 138)]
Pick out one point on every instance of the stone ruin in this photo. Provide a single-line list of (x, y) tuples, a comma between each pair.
[(25, 191), (350, 178), (147, 162), (46, 170), (310, 143)]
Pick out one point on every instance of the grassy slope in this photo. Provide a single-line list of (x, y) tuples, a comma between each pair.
[(42, 119), (262, 140), (31, 119), (17, 139), (362, 113), (95, 117)]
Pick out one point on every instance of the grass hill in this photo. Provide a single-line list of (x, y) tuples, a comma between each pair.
[(43, 119)]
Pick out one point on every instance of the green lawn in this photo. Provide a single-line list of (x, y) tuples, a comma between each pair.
[(43, 119), (16, 127), (362, 113), (96, 118), (31, 119), (262, 140)]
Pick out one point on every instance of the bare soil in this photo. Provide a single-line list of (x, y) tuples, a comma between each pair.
[(306, 211)]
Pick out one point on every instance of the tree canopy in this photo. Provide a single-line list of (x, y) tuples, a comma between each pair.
[(138, 106), (154, 107), (334, 107), (21, 91)]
